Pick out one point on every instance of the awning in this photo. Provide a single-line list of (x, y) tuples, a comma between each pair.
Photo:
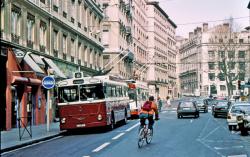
[(25, 80), (53, 66), (32, 64), (37, 59)]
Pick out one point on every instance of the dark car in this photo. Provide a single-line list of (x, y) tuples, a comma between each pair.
[(187, 108), (202, 106), (220, 108)]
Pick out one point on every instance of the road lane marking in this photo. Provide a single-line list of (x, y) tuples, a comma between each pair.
[(101, 147), (86, 156), (129, 129), (31, 145), (118, 136), (210, 133), (242, 155), (220, 148)]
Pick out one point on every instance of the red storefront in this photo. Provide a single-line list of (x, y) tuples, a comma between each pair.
[(24, 93)]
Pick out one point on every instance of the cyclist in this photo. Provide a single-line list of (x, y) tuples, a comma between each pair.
[(147, 112)]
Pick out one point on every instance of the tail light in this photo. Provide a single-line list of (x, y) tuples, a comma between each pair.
[(99, 117), (63, 120)]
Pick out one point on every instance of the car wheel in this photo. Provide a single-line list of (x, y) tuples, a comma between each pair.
[(230, 127), (215, 116)]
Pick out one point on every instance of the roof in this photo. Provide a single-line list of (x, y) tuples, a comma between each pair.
[(156, 4)]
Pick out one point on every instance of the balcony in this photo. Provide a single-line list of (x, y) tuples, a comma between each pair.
[(30, 44), (15, 38), (79, 25), (85, 29), (72, 59), (72, 20), (64, 56), (79, 61), (42, 48), (55, 8), (55, 53), (64, 14)]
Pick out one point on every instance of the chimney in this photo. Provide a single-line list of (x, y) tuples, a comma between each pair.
[(205, 27), (198, 29), (191, 34)]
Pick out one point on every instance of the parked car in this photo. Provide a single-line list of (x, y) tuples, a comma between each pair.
[(187, 108), (202, 106), (235, 110), (220, 108), (243, 120)]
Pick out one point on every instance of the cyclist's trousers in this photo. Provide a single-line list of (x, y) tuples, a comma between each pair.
[(150, 121)]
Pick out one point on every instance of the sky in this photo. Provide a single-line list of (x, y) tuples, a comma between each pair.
[(199, 11)]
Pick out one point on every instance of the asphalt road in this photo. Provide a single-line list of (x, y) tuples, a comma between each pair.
[(187, 137)]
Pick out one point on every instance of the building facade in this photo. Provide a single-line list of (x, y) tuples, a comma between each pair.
[(210, 56), (38, 35), (161, 52), (117, 37), (140, 39)]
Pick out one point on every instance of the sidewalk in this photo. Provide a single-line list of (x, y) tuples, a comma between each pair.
[(10, 139)]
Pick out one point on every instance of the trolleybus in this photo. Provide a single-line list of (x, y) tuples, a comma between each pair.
[(85, 102)]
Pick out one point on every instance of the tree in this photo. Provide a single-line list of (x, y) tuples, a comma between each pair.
[(224, 40)]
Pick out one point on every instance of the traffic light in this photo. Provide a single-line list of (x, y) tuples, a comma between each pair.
[(239, 84)]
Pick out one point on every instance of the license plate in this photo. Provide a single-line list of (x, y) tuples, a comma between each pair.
[(186, 108), (80, 125)]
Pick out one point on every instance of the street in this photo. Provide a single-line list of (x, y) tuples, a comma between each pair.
[(188, 137)]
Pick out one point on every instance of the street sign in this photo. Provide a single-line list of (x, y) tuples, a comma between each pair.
[(48, 82)]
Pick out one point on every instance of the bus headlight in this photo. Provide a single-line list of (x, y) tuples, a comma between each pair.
[(63, 120), (99, 117)]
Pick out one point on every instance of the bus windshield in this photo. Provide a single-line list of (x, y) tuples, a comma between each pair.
[(68, 94), (91, 91)]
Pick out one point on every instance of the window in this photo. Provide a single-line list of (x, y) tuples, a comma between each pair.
[(242, 66), (234, 87), (68, 94), (231, 65), (43, 1), (221, 66), (211, 54), (43, 28), (55, 37), (64, 43), (211, 66), (222, 54), (241, 54), (91, 91), (231, 54), (211, 76), (30, 27), (242, 76), (232, 75), (15, 23), (222, 87), (221, 77), (72, 46)]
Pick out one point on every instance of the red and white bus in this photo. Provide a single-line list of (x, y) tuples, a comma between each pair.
[(138, 92), (85, 102)]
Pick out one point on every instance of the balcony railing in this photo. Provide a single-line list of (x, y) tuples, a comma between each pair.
[(72, 59), (15, 38), (42, 48), (55, 53), (64, 56), (30, 44), (64, 14)]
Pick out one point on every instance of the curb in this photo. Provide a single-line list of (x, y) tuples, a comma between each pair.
[(30, 142)]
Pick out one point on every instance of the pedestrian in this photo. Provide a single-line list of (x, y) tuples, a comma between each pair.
[(168, 101), (159, 104)]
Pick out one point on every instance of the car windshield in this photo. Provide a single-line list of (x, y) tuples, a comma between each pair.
[(187, 104), (239, 108), (221, 104), (91, 91)]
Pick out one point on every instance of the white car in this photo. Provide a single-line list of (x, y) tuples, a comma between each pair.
[(234, 111)]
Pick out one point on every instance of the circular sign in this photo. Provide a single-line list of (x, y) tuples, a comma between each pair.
[(48, 82)]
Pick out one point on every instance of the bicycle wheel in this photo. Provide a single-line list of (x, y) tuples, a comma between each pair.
[(141, 138), (149, 136)]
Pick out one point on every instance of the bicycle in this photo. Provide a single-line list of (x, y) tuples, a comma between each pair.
[(145, 134)]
